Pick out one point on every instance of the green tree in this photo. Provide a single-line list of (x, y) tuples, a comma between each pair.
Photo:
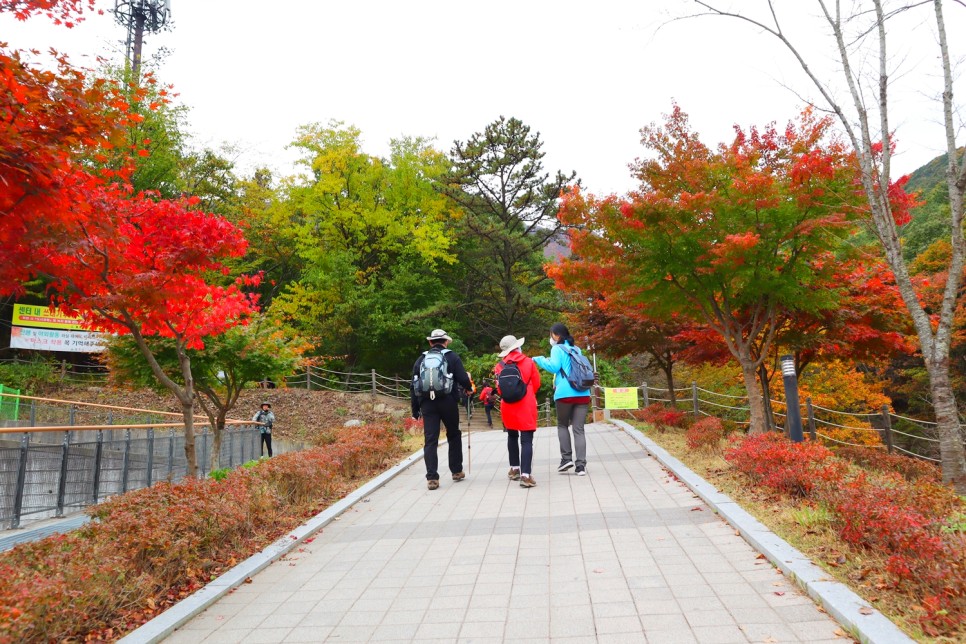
[(226, 365), (510, 203), (370, 235)]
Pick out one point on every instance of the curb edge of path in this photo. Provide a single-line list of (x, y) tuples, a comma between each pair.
[(835, 597), (164, 624)]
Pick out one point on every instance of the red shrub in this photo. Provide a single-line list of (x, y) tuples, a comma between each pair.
[(879, 460), (705, 434), (662, 417), (791, 468), (907, 521)]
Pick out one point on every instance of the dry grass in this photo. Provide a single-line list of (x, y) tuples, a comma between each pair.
[(808, 528)]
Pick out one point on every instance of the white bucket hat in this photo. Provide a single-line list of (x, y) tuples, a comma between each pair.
[(509, 343), (438, 334)]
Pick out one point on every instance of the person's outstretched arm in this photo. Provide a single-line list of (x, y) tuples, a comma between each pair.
[(554, 363)]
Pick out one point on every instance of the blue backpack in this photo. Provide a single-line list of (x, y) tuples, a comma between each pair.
[(581, 376)]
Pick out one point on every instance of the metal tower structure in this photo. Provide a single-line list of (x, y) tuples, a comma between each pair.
[(140, 16)]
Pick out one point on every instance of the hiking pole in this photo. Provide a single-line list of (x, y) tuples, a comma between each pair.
[(469, 423)]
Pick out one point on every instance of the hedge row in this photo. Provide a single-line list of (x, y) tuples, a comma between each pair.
[(147, 549), (897, 510)]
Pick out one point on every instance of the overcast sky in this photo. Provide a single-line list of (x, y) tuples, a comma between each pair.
[(586, 75)]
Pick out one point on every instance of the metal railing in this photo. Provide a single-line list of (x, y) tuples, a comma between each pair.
[(57, 459)]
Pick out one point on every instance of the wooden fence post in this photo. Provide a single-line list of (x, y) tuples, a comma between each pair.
[(811, 418), (647, 399), (694, 399), (887, 427)]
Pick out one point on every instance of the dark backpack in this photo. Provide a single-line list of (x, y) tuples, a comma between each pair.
[(581, 376), (510, 383), (434, 376)]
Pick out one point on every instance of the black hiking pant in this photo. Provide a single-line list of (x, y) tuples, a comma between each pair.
[(444, 410), (266, 442)]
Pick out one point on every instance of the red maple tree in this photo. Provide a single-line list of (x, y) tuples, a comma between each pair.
[(126, 262)]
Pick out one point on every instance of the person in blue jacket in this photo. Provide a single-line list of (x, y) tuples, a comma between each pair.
[(572, 405)]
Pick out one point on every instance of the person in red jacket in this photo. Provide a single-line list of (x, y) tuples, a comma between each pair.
[(488, 398), (519, 414)]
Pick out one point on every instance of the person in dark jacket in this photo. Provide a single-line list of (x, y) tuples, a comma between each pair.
[(267, 420), (440, 408), (520, 417)]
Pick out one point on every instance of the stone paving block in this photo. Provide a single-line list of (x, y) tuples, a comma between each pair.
[(280, 620), (529, 629), (183, 637), (489, 629), (612, 625), (767, 632), (721, 634), (697, 604), (393, 632), (321, 618), (756, 616), (308, 634), (749, 600), (265, 636), (709, 617), (362, 618), (815, 629), (693, 590), (351, 633), (445, 630), (232, 636), (669, 637), (658, 607)]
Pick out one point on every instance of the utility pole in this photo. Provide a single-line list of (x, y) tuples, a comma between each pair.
[(139, 16)]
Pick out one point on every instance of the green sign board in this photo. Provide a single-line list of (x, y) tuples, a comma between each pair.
[(620, 398)]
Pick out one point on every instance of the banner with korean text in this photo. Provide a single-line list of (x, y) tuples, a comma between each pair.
[(56, 340)]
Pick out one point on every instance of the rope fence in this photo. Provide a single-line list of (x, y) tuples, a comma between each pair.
[(913, 436), (895, 432)]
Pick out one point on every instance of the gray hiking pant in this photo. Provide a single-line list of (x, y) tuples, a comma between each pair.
[(570, 415)]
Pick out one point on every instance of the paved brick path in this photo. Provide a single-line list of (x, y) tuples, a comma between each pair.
[(624, 554)]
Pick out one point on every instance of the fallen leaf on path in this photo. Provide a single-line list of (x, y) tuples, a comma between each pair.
[(866, 610), (839, 632)]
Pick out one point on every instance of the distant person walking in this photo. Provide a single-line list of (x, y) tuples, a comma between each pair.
[(488, 398), (517, 381), (434, 397), (267, 418), (572, 404)]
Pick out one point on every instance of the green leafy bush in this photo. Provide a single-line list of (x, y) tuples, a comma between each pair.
[(29, 377), (220, 474)]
